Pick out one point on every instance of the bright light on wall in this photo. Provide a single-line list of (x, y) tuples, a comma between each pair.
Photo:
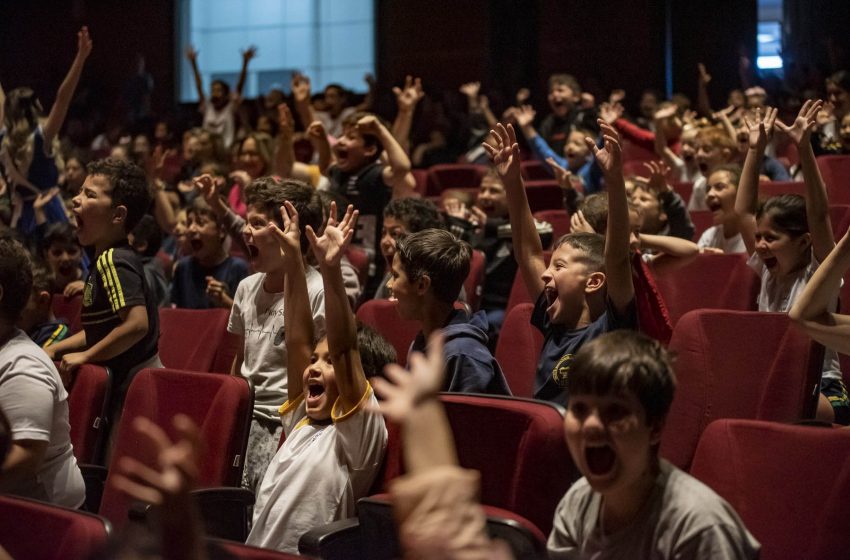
[(771, 62)]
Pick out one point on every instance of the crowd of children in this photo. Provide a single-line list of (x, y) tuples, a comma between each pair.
[(243, 215)]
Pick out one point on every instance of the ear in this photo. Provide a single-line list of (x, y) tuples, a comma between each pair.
[(595, 282), (805, 240), (370, 151), (119, 214), (43, 298), (655, 433), (727, 154), (423, 285)]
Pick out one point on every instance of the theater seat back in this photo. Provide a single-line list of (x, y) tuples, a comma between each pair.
[(196, 339), (518, 350), (68, 309), (381, 315), (88, 400)]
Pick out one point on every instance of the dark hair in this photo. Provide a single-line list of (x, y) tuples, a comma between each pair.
[(591, 244), (15, 279), (565, 80), (625, 361), (23, 105), (267, 195), (129, 187), (595, 210), (224, 85), (42, 278), (438, 254), (369, 140), (375, 351), (732, 169), (415, 213), (147, 231), (841, 79), (788, 213), (58, 233), (199, 207), (342, 91)]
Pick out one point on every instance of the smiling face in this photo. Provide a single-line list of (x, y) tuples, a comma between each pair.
[(351, 151), (405, 294), (204, 237), (575, 150), (263, 249), (781, 253), (93, 211), (839, 97), (565, 285), (610, 440), (651, 212), (561, 99), (720, 195), (250, 159), (492, 199), (393, 229), (320, 390)]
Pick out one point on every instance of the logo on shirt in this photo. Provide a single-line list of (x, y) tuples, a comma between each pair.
[(88, 293), (562, 370)]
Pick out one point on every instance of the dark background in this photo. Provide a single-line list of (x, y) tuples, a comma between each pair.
[(505, 44)]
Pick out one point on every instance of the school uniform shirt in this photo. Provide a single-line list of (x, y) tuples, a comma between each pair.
[(319, 473), (35, 402), (560, 345), (682, 518), (257, 316), (189, 286), (714, 237), (116, 282), (49, 333)]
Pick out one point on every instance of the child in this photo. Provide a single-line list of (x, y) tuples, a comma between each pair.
[(37, 319), (662, 208), (789, 236), (146, 240), (61, 250), (27, 156), (119, 315), (587, 289), (564, 95), (402, 217), (725, 235), (428, 270), (631, 503), (209, 276), (257, 315), (334, 444), (715, 147), (361, 179), (40, 463)]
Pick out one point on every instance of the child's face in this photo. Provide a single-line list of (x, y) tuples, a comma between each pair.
[(393, 229), (217, 96), (191, 146), (181, 229), (561, 99), (64, 259), (648, 104), (75, 174), (351, 151), (781, 253), (610, 440), (263, 248), (565, 283), (839, 97), (575, 150), (720, 195), (93, 210), (636, 224), (736, 98), (844, 132), (492, 199), (709, 156), (204, 236), (653, 216), (250, 160), (320, 390), (403, 292), (688, 149)]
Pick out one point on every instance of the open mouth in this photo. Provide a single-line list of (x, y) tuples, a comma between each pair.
[(66, 269), (703, 167), (196, 244), (253, 252), (770, 262), (315, 390), (714, 205), (599, 459)]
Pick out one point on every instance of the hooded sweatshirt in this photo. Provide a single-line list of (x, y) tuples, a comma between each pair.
[(470, 366)]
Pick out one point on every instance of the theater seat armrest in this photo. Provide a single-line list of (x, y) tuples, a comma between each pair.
[(338, 540), (226, 511), (94, 477)]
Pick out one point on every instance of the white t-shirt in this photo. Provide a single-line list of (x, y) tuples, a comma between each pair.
[(35, 402), (221, 122), (318, 474), (697, 201), (257, 316), (714, 237), (683, 518), (779, 295)]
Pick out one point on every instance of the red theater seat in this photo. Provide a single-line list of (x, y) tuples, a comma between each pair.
[(36, 530), (245, 552), (518, 350), (702, 219), (381, 315), (789, 484), (475, 280), (196, 340), (69, 310), (559, 219), (544, 195), (454, 176), (534, 170), (776, 188), (737, 364), (519, 294), (835, 171), (88, 400)]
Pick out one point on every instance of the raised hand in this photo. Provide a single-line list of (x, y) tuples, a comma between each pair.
[(329, 248), (760, 130), (665, 113), (403, 390), (471, 90), (84, 43), (562, 175), (316, 131), (218, 293), (657, 180), (44, 197), (610, 112), (704, 76), (301, 88), (504, 152), (587, 101), (609, 158), (616, 96), (191, 54), (156, 160), (408, 96), (177, 466), (578, 224), (826, 114), (522, 96), (289, 238), (801, 129), (524, 115), (456, 209), (285, 121), (369, 125), (248, 54)]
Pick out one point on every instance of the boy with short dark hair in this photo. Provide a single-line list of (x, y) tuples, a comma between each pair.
[(119, 315), (146, 240), (37, 319), (428, 270), (61, 250), (631, 503), (564, 97), (587, 288)]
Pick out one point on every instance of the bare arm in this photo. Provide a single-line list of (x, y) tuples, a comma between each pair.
[(813, 304), (319, 139), (618, 267), (407, 98), (301, 98), (22, 463), (76, 341), (746, 201), (703, 102), (236, 366), (528, 250), (341, 325), (247, 55), (66, 91), (369, 98), (192, 55), (284, 152), (397, 173)]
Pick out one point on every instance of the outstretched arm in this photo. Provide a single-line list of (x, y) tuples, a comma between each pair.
[(341, 325), (528, 250), (66, 91), (746, 200), (703, 102), (247, 55), (318, 137), (817, 205), (192, 55), (407, 98), (301, 98), (397, 173)]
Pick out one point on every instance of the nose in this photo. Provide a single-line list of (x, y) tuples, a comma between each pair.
[(593, 423), (546, 276)]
